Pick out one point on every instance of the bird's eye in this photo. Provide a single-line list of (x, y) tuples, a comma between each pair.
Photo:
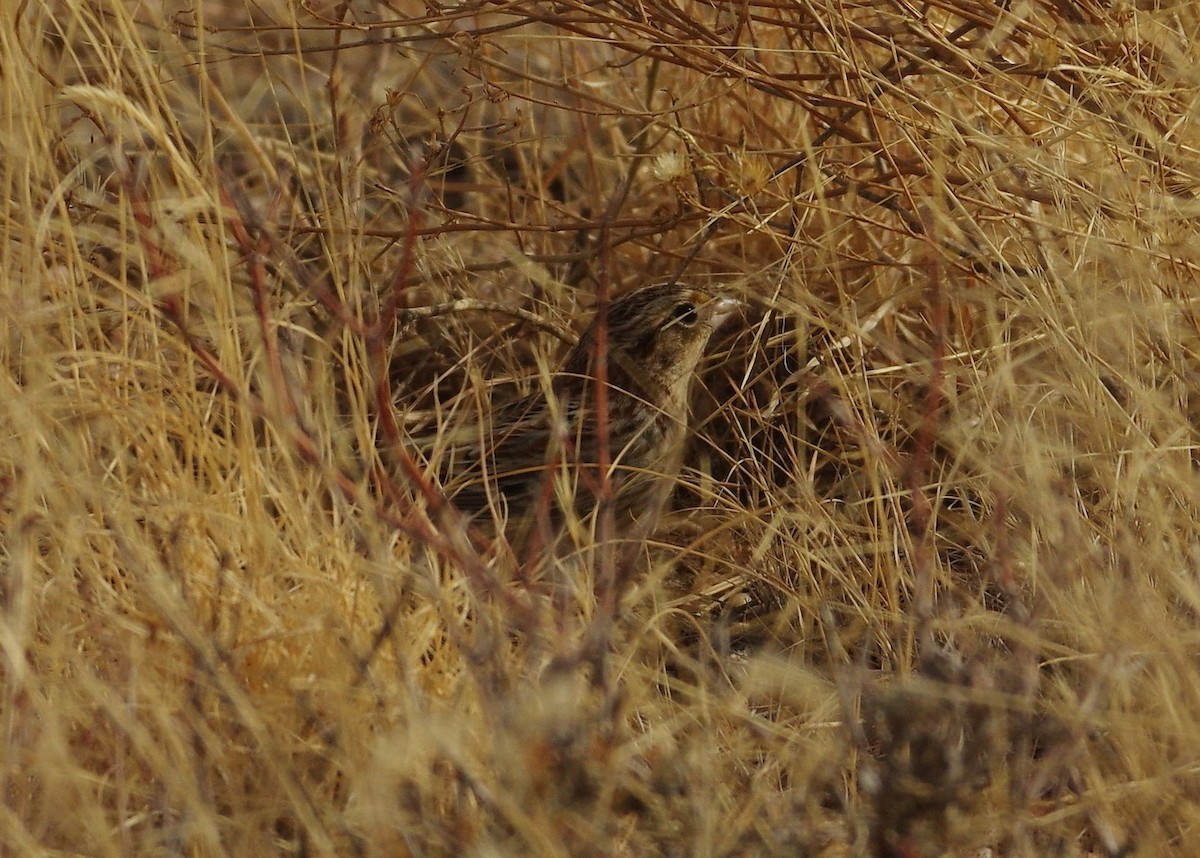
[(684, 314)]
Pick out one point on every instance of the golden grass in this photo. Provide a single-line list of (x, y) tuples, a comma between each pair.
[(931, 583)]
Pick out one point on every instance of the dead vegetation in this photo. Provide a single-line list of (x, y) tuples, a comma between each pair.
[(930, 585)]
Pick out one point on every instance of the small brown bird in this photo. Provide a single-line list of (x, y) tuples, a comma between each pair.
[(540, 455)]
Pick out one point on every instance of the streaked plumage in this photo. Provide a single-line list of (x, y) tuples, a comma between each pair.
[(655, 339)]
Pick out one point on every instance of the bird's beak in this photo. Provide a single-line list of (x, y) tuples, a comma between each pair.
[(722, 309)]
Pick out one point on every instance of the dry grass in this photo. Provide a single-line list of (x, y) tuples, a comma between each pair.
[(931, 586)]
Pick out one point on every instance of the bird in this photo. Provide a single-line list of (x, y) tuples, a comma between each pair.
[(538, 458)]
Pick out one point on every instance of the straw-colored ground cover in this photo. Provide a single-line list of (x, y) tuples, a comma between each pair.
[(930, 582)]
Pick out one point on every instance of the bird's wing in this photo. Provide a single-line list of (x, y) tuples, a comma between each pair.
[(504, 460)]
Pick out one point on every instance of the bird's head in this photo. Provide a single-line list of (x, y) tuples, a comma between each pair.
[(656, 338)]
